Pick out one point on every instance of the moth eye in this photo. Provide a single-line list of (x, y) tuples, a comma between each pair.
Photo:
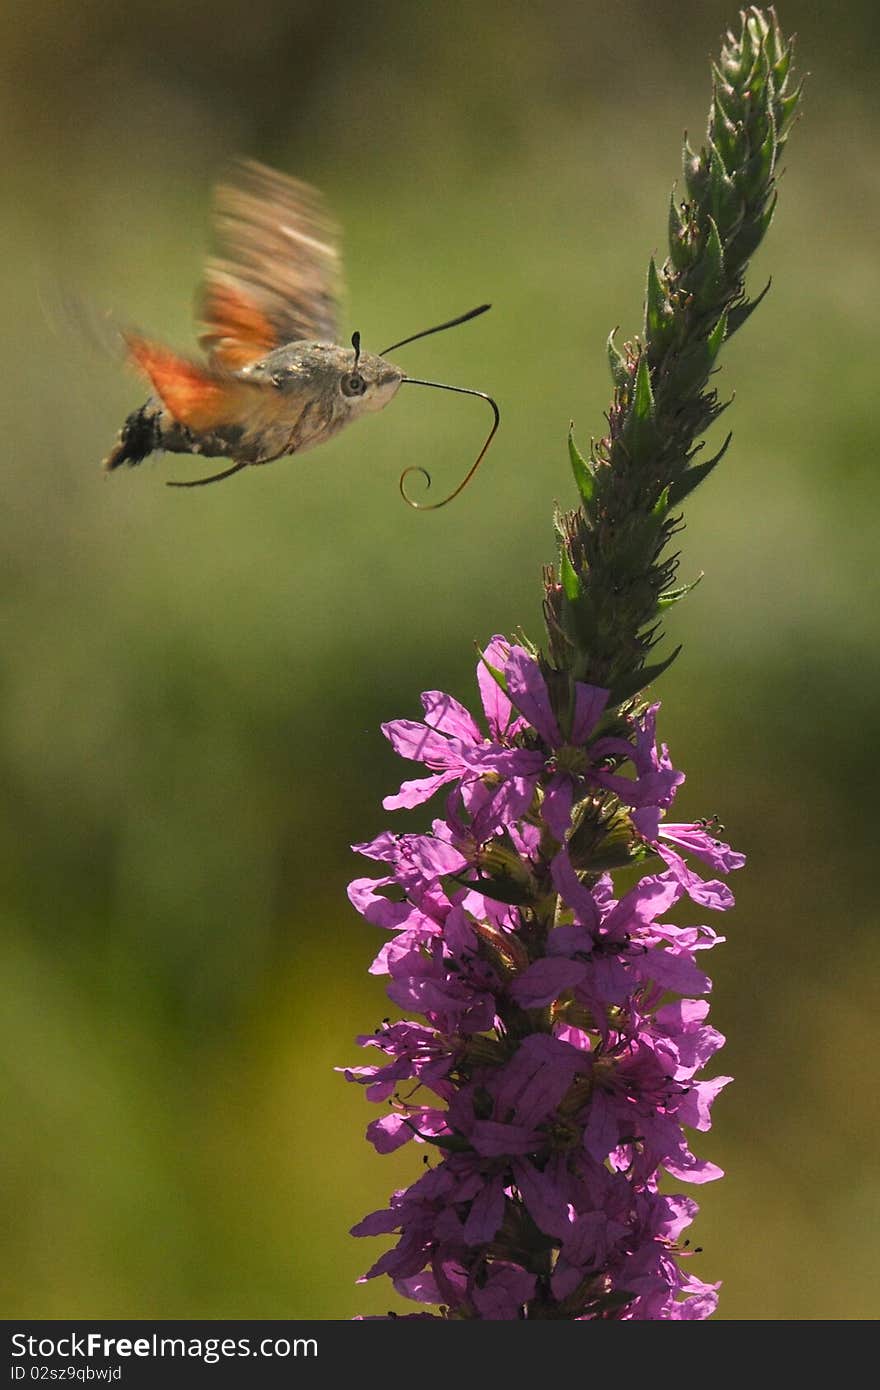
[(353, 385)]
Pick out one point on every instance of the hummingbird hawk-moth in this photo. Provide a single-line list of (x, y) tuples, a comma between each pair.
[(275, 381)]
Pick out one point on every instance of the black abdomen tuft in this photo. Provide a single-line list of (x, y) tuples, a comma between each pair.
[(139, 437)]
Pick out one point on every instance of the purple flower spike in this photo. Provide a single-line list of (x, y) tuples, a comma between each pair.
[(557, 1066)]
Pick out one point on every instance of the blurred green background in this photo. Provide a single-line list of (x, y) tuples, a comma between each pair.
[(192, 683)]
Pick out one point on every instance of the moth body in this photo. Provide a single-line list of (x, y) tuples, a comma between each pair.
[(273, 380), (289, 400)]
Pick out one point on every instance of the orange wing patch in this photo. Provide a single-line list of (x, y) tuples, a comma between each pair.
[(196, 397), (239, 331)]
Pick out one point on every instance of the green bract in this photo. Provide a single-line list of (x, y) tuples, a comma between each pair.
[(614, 561)]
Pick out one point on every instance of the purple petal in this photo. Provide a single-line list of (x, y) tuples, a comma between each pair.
[(385, 846), (680, 1214), (545, 1199), (507, 762), (511, 801), (575, 1037), (416, 792), (421, 744), (573, 892), (545, 980), (422, 1288), (682, 1015), (486, 1214), (687, 1168), (556, 810), (589, 704), (389, 1133), (650, 789), (642, 904), (495, 702), (526, 840), (433, 858), (492, 1139), (565, 1279), (647, 822), (694, 1110), (528, 691), (697, 840), (711, 893), (671, 971), (506, 1290), (569, 941), (378, 1223), (459, 935), (694, 1042), (590, 1239), (600, 1135), (388, 961), (537, 1077), (379, 911), (447, 714), (394, 1130), (699, 1305)]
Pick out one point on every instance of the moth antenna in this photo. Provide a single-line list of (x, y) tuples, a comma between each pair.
[(415, 468), (214, 478), (356, 344), (439, 328)]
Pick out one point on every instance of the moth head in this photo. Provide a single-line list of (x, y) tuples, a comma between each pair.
[(367, 382), (348, 382)]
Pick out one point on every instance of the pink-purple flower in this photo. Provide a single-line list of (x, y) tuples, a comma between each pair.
[(555, 1075)]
